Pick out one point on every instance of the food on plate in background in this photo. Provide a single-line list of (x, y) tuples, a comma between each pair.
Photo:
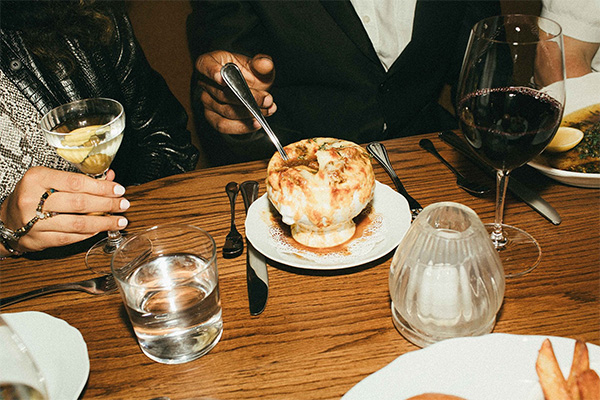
[(585, 156), (324, 185), (435, 396), (582, 383), (565, 139)]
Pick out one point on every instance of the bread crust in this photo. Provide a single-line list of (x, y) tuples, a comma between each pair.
[(325, 183)]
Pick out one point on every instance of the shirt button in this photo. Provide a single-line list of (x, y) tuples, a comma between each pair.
[(15, 65), (366, 19)]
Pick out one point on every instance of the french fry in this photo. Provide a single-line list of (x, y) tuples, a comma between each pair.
[(589, 385), (551, 378), (581, 363)]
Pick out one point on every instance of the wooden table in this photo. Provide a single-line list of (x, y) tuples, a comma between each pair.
[(321, 333)]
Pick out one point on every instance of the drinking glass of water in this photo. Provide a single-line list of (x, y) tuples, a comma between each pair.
[(20, 377), (168, 279)]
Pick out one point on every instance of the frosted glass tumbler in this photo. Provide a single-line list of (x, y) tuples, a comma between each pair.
[(446, 278)]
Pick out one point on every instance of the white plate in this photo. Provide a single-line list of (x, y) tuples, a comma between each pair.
[(58, 349), (581, 92), (386, 201), (495, 366)]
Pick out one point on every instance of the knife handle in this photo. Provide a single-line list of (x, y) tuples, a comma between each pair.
[(249, 190), (455, 141), (517, 188)]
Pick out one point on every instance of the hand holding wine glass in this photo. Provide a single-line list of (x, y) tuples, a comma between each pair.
[(88, 133), (79, 205), (510, 102)]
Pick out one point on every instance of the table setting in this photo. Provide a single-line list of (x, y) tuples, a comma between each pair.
[(408, 295)]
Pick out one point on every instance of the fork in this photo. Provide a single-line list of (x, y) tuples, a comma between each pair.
[(379, 152), (234, 242), (100, 285)]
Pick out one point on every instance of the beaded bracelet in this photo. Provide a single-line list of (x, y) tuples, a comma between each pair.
[(6, 236)]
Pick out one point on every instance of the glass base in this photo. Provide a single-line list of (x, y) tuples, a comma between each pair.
[(520, 253), (421, 338), (99, 256)]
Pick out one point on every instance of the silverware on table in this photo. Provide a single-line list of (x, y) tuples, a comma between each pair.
[(235, 81), (518, 188), (234, 242), (465, 184), (257, 277), (379, 152), (100, 285)]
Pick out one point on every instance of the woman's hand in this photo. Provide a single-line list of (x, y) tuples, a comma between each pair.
[(222, 108), (79, 202)]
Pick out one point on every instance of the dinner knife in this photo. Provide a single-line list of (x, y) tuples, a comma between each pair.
[(257, 278), (519, 189)]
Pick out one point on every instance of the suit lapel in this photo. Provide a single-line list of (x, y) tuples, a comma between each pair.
[(344, 15)]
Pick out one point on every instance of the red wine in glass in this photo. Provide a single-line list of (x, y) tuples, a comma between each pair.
[(507, 127), (510, 101)]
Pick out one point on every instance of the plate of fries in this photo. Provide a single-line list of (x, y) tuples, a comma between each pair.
[(581, 383), (496, 366)]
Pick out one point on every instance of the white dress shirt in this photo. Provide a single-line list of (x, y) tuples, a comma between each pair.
[(579, 19), (389, 25)]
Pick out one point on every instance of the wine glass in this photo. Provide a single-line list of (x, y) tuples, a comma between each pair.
[(510, 102), (88, 133), (20, 376)]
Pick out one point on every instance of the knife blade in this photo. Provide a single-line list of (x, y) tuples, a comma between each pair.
[(257, 277), (516, 187)]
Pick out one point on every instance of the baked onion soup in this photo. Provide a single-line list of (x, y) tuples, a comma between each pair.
[(325, 184)]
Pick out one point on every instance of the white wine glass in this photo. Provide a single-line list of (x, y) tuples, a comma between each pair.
[(20, 376), (510, 102), (87, 133)]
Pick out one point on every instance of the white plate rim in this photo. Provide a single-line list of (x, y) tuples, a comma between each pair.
[(495, 366), (57, 348), (386, 201), (583, 92)]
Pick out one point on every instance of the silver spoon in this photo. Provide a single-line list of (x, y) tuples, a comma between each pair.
[(462, 182), (234, 242), (235, 80)]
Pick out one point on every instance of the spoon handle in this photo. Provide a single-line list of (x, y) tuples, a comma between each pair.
[(429, 146), (232, 189), (235, 80)]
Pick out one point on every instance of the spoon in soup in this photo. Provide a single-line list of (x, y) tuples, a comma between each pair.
[(235, 81)]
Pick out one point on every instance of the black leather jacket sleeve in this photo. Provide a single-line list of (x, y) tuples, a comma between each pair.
[(159, 144), (156, 142)]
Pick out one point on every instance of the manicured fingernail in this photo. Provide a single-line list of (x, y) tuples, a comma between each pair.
[(124, 204), (122, 222), (119, 190)]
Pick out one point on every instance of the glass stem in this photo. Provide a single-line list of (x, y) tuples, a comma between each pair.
[(501, 184), (114, 240)]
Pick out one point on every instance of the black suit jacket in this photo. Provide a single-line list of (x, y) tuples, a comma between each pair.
[(329, 80)]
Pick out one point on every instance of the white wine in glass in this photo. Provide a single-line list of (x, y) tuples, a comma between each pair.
[(510, 102), (88, 133)]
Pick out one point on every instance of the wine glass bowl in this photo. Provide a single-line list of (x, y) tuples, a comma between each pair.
[(87, 133), (510, 102)]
